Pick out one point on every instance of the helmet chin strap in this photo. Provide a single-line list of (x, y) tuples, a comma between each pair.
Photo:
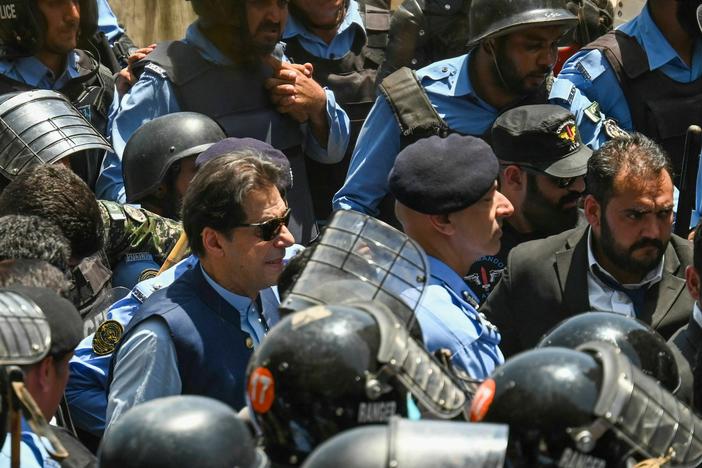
[(493, 54)]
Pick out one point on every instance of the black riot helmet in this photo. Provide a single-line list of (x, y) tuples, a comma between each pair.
[(326, 369), (586, 407), (644, 347), (158, 144), (414, 444), (23, 26), (183, 430), (493, 18), (42, 127), (365, 260)]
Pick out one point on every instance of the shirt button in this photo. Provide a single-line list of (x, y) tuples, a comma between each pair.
[(249, 342), (444, 69), (447, 7), (421, 32)]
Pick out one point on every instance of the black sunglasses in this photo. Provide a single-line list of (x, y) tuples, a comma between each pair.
[(560, 182), (269, 230)]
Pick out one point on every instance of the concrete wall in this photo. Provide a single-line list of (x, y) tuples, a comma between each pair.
[(150, 21)]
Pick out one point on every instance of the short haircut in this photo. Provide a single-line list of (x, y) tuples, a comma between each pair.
[(55, 193), (636, 155), (217, 193), (30, 237), (34, 273)]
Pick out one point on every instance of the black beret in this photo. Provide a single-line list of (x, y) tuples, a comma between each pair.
[(441, 175)]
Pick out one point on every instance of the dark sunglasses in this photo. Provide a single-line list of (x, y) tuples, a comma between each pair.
[(269, 230), (560, 182)]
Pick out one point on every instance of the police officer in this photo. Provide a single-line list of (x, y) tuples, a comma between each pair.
[(543, 164), (159, 159), (513, 55), (39, 39), (182, 430), (645, 76), (86, 391), (450, 205), (345, 54), (273, 102)]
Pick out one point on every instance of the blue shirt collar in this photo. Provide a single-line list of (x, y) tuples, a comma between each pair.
[(455, 71), (32, 71), (240, 303), (657, 47), (352, 19), (443, 273)]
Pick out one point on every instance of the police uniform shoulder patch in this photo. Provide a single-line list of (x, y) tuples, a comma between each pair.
[(156, 69), (592, 112), (107, 336), (114, 210), (135, 213), (613, 130), (147, 274)]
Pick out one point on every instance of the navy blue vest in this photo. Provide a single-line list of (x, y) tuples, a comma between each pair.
[(206, 330)]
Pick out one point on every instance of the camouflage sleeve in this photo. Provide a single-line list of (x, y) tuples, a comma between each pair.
[(135, 230)]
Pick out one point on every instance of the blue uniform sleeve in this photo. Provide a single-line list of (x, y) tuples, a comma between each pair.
[(152, 96), (591, 74), (377, 147), (107, 22), (146, 369), (338, 134)]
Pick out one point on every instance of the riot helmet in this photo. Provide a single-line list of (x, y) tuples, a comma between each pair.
[(330, 368), (23, 26), (586, 407), (493, 18), (42, 127), (644, 347), (183, 430), (360, 258), (413, 444), (158, 144)]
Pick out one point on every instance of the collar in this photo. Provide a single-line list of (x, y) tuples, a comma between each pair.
[(454, 72), (658, 49), (240, 303), (697, 314), (353, 19), (654, 276), (444, 274), (32, 71)]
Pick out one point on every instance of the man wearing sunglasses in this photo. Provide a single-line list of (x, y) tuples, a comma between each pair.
[(196, 336), (543, 164), (626, 261)]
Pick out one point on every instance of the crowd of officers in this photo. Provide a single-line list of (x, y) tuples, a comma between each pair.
[(322, 233)]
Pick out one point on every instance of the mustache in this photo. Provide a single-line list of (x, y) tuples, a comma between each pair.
[(268, 25), (646, 242)]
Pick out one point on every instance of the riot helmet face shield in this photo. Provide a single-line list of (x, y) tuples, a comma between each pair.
[(330, 368), (359, 258)]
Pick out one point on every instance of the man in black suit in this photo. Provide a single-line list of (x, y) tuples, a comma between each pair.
[(689, 338), (626, 261)]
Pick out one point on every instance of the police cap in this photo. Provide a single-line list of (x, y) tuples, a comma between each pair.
[(544, 137), (442, 175)]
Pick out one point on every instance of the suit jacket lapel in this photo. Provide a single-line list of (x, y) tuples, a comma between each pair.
[(571, 268), (668, 289)]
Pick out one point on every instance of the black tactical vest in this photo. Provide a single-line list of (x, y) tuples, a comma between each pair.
[(661, 108), (235, 97), (352, 79), (91, 93)]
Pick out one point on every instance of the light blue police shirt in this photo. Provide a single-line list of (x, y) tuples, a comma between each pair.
[(107, 22), (31, 71), (153, 96)]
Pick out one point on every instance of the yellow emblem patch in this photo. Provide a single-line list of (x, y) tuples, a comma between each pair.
[(107, 337), (567, 132)]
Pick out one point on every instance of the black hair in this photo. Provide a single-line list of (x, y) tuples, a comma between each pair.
[(636, 155), (217, 193), (55, 193), (31, 237)]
